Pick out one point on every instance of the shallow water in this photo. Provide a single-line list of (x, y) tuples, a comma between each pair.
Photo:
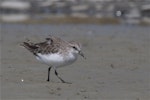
[(97, 29)]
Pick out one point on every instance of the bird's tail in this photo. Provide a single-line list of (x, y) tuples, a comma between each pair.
[(29, 46)]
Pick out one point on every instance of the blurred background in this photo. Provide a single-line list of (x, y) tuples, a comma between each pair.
[(115, 35), (76, 11)]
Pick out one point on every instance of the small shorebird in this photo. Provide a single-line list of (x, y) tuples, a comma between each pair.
[(55, 53)]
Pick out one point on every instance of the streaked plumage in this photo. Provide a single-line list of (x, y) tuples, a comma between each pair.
[(54, 52)]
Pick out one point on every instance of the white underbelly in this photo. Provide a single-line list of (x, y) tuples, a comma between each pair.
[(55, 59)]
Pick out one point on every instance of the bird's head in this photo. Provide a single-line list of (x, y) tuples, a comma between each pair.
[(76, 48)]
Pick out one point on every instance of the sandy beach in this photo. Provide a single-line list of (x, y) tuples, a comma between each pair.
[(117, 65)]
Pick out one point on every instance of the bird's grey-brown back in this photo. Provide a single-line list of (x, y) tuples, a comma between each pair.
[(50, 45)]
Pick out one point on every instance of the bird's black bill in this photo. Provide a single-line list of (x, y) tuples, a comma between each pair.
[(81, 54)]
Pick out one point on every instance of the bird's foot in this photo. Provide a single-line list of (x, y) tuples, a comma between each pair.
[(47, 80), (65, 82)]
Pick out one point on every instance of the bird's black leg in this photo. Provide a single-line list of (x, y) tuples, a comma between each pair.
[(49, 69), (56, 73)]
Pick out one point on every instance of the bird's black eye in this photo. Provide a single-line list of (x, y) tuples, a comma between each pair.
[(74, 47)]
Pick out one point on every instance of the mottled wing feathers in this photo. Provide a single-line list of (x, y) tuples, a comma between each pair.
[(50, 45), (45, 48)]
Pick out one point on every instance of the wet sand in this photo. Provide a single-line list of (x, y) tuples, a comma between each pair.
[(117, 65)]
